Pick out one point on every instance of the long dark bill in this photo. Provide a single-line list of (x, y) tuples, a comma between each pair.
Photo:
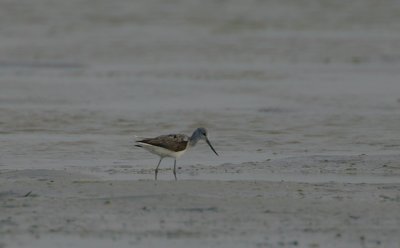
[(212, 148)]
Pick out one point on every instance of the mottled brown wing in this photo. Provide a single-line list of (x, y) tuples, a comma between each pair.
[(172, 142)]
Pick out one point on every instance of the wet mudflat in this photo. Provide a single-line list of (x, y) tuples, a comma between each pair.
[(304, 112)]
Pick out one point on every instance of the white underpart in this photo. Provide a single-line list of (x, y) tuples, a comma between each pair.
[(162, 152)]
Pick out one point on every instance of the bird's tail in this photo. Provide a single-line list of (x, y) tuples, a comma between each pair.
[(137, 139)]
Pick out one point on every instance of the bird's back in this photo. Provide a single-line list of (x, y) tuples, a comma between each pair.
[(172, 142)]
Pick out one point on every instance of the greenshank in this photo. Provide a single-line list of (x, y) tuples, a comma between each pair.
[(173, 145)]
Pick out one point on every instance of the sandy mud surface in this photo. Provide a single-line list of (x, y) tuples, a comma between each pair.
[(301, 100), (58, 209)]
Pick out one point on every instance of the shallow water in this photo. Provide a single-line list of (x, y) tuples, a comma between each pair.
[(76, 89), (53, 119)]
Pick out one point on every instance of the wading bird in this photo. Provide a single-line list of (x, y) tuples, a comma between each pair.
[(173, 145)]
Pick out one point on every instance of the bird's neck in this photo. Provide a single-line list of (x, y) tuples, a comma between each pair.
[(194, 139)]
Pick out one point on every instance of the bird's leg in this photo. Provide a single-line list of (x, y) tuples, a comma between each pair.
[(156, 171), (175, 169)]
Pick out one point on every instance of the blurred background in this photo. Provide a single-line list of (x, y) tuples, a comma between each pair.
[(80, 78), (153, 32)]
